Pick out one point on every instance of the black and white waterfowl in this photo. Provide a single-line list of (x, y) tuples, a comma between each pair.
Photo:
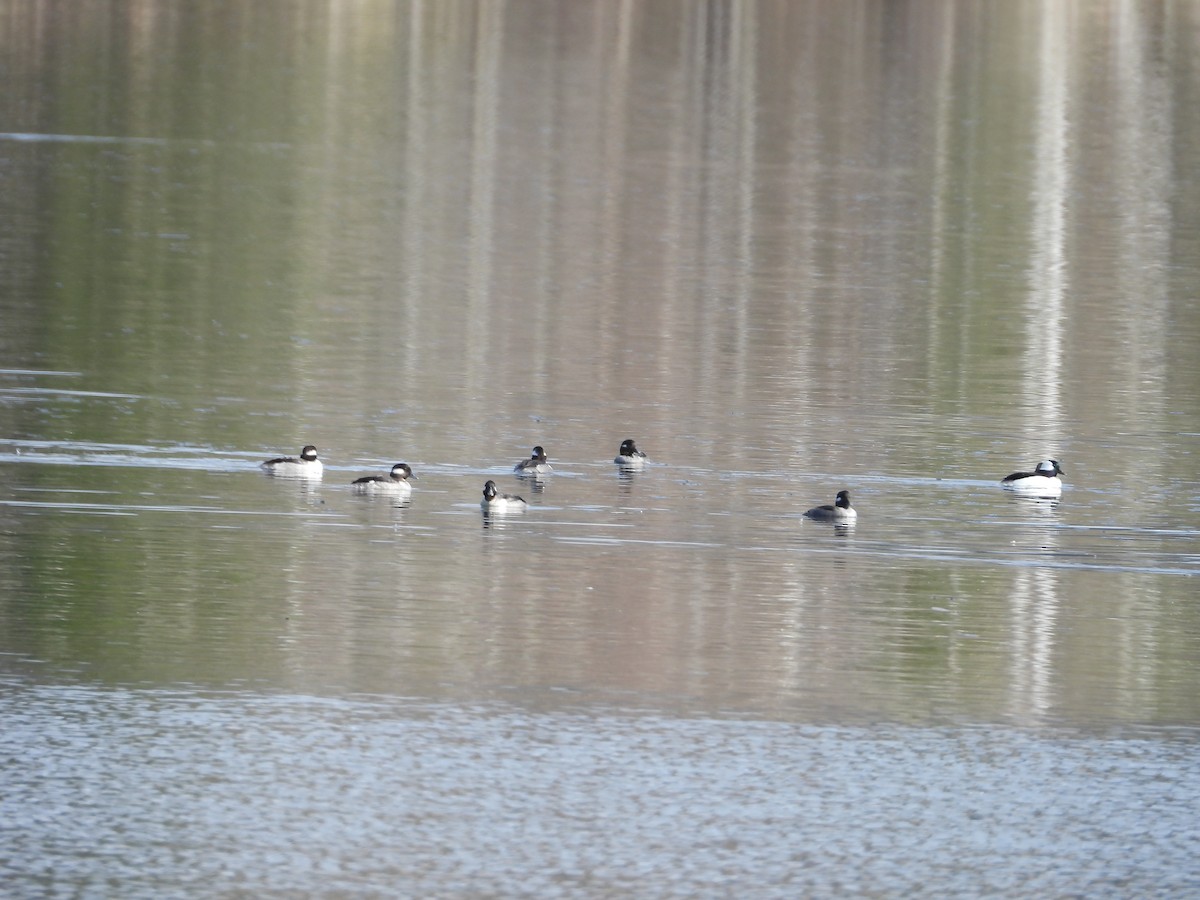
[(1042, 482), (537, 464), (494, 501), (629, 455), (840, 512), (306, 466), (395, 482)]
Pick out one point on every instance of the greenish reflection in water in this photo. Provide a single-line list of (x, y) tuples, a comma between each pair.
[(788, 250)]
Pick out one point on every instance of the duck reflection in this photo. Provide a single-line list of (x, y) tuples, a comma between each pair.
[(1036, 507), (626, 476), (536, 483), (493, 520)]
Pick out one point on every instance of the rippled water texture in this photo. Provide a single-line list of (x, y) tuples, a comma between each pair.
[(380, 792), (897, 249)]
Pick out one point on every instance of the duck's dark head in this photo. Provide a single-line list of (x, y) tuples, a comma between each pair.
[(629, 448)]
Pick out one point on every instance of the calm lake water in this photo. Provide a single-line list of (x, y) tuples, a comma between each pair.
[(790, 248)]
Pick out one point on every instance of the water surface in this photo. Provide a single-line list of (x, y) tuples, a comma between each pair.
[(789, 249)]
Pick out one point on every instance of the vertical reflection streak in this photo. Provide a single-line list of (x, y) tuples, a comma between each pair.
[(1034, 608), (745, 68), (718, 147), (1034, 601), (803, 217), (1051, 179), (482, 239), (615, 62), (415, 144), (680, 111), (1142, 147), (943, 171)]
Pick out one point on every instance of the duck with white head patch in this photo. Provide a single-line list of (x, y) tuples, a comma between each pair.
[(495, 502), (395, 482), (840, 512), (629, 455), (1043, 482), (306, 466), (537, 464)]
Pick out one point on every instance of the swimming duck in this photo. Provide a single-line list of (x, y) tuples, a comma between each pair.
[(1041, 482), (537, 464), (396, 481), (840, 512), (307, 466), (629, 454), (494, 501)]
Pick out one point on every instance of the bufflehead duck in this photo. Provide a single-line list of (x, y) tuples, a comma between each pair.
[(1041, 482), (629, 454), (494, 501), (840, 512), (537, 464), (307, 466), (395, 482)]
